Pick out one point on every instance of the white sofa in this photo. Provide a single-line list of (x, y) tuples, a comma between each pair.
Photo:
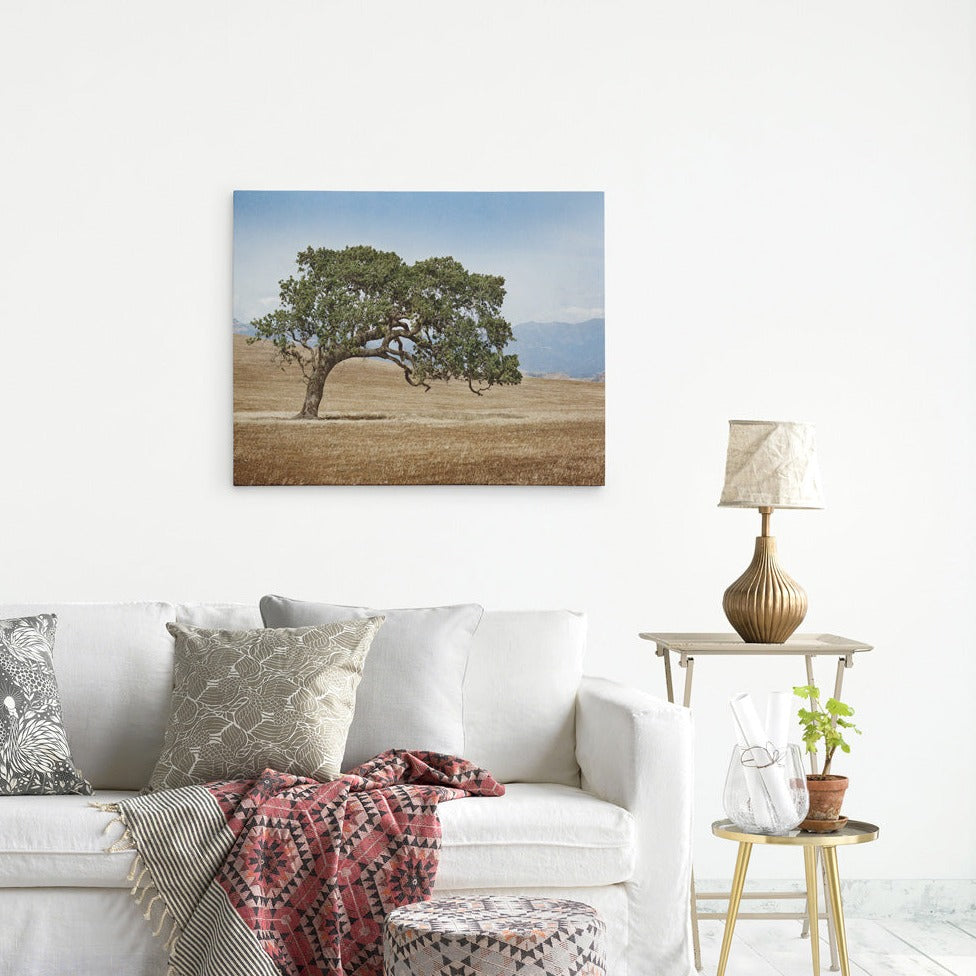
[(613, 831)]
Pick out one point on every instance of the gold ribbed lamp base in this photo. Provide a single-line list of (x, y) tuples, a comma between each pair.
[(765, 604)]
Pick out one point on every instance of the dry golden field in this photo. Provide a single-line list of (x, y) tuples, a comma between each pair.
[(378, 430)]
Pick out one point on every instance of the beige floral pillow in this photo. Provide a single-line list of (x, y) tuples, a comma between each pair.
[(244, 701)]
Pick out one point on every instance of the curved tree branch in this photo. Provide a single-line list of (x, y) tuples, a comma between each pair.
[(391, 357)]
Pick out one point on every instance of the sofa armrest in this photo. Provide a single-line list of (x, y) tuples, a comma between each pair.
[(636, 751)]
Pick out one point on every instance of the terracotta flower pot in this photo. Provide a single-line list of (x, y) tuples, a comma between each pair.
[(826, 796)]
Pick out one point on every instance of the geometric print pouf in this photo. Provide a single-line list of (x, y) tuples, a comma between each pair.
[(502, 936)]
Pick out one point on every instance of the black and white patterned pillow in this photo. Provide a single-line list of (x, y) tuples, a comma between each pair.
[(34, 753)]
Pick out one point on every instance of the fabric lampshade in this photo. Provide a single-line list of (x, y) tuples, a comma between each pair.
[(771, 464)]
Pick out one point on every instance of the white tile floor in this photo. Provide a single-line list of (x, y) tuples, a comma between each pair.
[(878, 947)]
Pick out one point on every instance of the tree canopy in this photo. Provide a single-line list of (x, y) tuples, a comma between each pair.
[(434, 319)]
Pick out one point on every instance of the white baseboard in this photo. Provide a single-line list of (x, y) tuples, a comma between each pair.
[(865, 898)]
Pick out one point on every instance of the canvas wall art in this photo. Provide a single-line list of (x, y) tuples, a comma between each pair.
[(418, 338)]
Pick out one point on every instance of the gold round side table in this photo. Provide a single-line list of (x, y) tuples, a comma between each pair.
[(855, 832)]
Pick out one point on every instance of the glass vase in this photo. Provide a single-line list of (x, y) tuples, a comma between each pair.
[(766, 789)]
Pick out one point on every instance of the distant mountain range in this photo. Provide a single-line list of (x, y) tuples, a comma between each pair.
[(573, 349)]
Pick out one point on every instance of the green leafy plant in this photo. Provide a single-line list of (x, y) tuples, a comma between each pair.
[(826, 724)]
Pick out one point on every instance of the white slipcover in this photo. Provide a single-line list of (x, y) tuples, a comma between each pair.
[(538, 830), (614, 831), (100, 931), (520, 695), (60, 841), (637, 751), (219, 616)]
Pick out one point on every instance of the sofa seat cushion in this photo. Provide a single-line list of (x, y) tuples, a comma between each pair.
[(537, 834), (60, 841)]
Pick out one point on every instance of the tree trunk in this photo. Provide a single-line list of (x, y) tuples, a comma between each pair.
[(313, 393)]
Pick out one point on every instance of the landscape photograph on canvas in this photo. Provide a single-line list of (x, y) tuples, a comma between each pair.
[(407, 338)]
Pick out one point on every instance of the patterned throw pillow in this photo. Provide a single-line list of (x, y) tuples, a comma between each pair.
[(245, 701), (34, 753)]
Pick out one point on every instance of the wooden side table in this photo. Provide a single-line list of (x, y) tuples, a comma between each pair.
[(855, 832), (689, 646)]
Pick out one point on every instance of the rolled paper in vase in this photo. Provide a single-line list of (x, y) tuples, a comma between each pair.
[(779, 710), (765, 781), (757, 795)]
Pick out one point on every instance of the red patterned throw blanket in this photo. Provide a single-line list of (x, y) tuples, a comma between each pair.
[(284, 875)]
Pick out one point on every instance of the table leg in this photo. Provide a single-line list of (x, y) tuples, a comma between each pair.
[(831, 918), (813, 768), (810, 864), (808, 658), (666, 654), (831, 927), (833, 879), (839, 680), (735, 898), (695, 936), (689, 674)]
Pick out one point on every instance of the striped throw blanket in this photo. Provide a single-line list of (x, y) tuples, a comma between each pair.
[(284, 875)]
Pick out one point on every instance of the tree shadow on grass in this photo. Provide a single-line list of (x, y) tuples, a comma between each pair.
[(357, 416)]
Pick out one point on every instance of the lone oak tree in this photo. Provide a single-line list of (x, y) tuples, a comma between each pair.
[(434, 319)]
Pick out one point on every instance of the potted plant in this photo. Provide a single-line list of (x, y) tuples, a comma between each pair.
[(825, 724)]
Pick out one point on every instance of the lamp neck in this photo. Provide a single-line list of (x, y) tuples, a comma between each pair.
[(765, 512)]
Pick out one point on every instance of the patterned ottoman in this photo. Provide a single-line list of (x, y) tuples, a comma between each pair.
[(494, 937)]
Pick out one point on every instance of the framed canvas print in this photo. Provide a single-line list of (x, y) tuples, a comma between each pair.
[(418, 338)]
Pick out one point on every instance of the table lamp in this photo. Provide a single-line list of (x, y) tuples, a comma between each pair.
[(770, 464)]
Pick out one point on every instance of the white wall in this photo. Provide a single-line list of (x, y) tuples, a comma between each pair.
[(790, 234)]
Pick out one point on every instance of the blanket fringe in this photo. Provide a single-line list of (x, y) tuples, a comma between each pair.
[(105, 807), (108, 826), (138, 872), (163, 919), (152, 901), (135, 887), (125, 843)]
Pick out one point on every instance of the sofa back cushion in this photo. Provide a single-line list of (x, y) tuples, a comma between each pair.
[(114, 666), (520, 695), (523, 674), (219, 616)]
